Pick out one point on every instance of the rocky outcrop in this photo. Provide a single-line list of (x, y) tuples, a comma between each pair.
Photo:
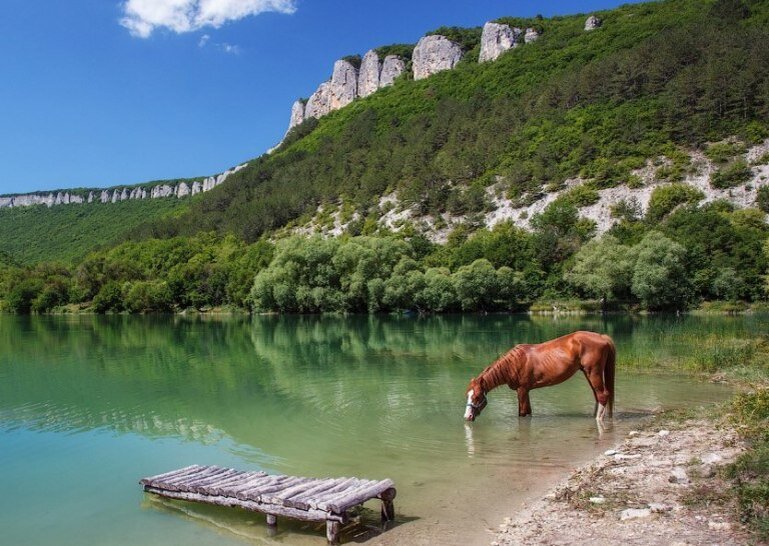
[(297, 113), (346, 84), (431, 55), (392, 67), (532, 34), (368, 77), (592, 23), (114, 195), (496, 39), (434, 54), (336, 93)]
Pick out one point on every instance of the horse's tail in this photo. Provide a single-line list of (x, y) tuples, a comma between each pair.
[(608, 377)]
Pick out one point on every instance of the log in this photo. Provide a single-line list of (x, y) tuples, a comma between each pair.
[(358, 496), (311, 500), (332, 532), (170, 474), (275, 510)]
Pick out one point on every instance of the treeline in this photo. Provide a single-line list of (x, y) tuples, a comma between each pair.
[(654, 78), (676, 256)]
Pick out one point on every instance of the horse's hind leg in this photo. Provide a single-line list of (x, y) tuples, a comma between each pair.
[(595, 378)]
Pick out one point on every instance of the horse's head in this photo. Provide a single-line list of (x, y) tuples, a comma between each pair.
[(476, 399)]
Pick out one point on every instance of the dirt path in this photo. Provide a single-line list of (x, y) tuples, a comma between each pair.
[(660, 486)]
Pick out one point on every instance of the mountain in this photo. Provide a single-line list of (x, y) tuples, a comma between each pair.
[(646, 123)]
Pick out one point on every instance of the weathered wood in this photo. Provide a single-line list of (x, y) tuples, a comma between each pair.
[(171, 474), (309, 499), (359, 496), (332, 532), (304, 515), (175, 475)]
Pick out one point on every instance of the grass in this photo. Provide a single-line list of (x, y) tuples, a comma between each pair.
[(749, 474)]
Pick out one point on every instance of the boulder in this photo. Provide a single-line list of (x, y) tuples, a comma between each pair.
[(392, 67), (368, 77), (592, 23), (434, 54), (496, 39), (532, 34)]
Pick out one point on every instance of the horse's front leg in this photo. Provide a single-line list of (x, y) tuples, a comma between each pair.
[(524, 405)]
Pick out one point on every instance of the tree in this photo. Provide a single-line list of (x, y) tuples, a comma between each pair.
[(660, 278), (603, 268)]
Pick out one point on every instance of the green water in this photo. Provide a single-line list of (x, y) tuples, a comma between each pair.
[(88, 405)]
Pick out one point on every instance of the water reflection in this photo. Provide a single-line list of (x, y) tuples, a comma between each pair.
[(326, 396)]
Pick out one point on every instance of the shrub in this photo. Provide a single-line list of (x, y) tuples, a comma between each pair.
[(666, 198), (733, 174)]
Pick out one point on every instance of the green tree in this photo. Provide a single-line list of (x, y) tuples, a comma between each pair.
[(660, 279), (603, 268)]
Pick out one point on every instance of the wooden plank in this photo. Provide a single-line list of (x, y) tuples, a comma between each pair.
[(316, 488), (250, 483), (289, 488), (201, 487), (212, 472), (259, 492), (185, 483), (304, 515), (359, 496), (324, 489), (172, 475), (171, 482), (225, 486), (314, 500), (241, 492)]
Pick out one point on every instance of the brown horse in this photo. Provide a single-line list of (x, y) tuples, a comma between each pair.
[(526, 367)]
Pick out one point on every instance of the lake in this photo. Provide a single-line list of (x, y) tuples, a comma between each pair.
[(89, 405)]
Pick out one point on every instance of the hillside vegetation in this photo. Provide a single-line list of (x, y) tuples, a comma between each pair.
[(66, 233), (654, 83)]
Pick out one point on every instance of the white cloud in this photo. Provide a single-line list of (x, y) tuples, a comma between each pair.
[(204, 40), (142, 17)]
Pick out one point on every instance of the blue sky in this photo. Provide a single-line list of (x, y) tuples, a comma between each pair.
[(107, 92)]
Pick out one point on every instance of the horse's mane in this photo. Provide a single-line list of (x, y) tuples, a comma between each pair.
[(501, 370)]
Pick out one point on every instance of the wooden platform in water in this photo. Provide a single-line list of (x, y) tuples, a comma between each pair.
[(310, 499)]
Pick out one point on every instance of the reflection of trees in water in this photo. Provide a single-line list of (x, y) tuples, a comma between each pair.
[(202, 377)]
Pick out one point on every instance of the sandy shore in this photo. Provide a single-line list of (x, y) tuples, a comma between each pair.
[(661, 485)]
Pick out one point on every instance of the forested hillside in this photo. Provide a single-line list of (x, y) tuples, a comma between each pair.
[(655, 86)]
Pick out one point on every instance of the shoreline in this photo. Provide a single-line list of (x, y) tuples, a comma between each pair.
[(660, 485)]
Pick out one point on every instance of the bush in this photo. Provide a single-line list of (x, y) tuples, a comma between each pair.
[(733, 174), (666, 198)]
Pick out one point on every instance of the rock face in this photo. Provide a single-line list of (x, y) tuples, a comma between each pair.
[(592, 23), (297, 114), (336, 93), (368, 77), (434, 54), (392, 67), (346, 84), (114, 195), (532, 34), (496, 39)]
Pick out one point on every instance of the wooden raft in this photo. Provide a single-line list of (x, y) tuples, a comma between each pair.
[(309, 499)]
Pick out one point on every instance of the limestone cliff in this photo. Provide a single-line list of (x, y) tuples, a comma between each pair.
[(113, 195), (392, 67), (496, 39), (368, 77), (434, 54)]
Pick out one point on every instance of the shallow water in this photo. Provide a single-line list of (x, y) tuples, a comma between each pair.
[(88, 405)]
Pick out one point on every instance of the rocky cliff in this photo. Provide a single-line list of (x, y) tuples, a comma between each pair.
[(432, 54), (113, 195)]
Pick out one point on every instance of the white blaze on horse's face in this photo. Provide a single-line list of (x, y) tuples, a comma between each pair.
[(469, 406)]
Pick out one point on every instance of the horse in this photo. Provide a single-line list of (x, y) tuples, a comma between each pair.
[(526, 367)]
